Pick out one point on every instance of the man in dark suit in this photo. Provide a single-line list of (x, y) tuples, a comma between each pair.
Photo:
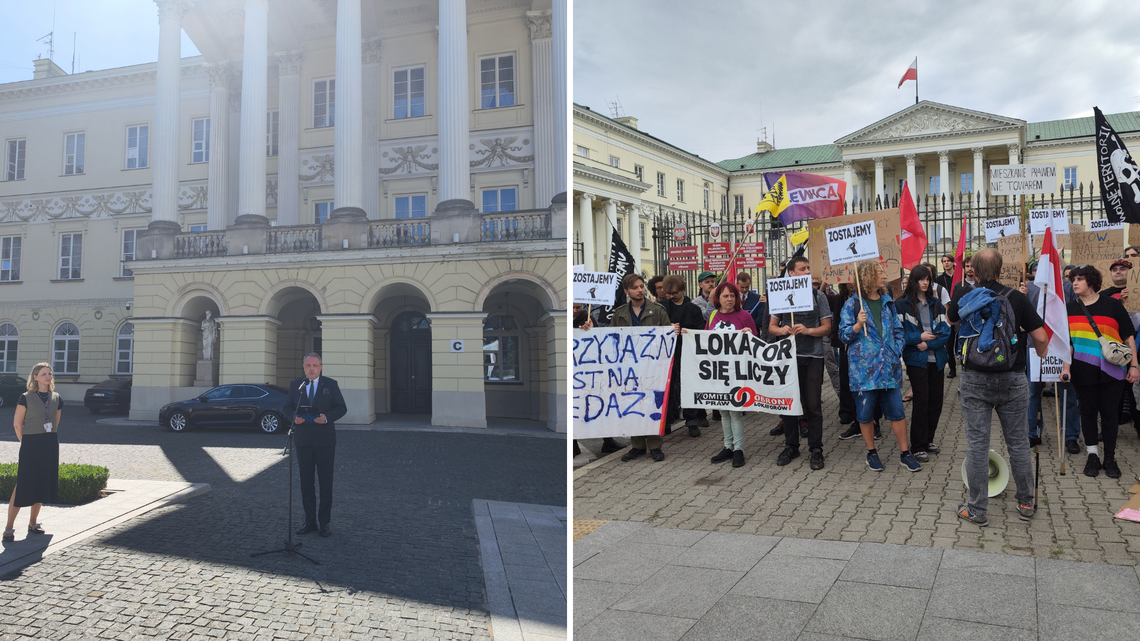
[(318, 403)]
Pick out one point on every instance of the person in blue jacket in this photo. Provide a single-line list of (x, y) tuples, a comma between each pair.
[(870, 326), (925, 334)]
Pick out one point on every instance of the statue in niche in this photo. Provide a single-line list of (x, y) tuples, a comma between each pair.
[(209, 336)]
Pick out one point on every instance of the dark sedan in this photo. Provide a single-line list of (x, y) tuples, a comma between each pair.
[(111, 394), (238, 404), (11, 387)]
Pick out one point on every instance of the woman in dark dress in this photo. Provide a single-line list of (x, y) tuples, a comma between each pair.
[(37, 425)]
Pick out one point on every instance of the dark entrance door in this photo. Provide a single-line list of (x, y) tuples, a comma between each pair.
[(411, 364)]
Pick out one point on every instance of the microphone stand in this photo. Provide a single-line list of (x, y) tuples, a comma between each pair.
[(290, 547)]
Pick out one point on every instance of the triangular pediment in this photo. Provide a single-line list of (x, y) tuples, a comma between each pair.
[(928, 120)]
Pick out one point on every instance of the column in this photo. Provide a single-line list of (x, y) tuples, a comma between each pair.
[(953, 172), (603, 230), (920, 180), (166, 350), (943, 175), (370, 87), (217, 189), (910, 177), (346, 351), (635, 235), (233, 158), (879, 190), (248, 349), (865, 187), (561, 104), (555, 323), (458, 398), (848, 176), (586, 229), (254, 87), (891, 186), (348, 186), (288, 131), (542, 70), (454, 107), (168, 90), (979, 177)]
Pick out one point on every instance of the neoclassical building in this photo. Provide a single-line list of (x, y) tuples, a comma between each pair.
[(379, 181)]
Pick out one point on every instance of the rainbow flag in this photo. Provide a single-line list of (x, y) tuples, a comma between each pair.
[(795, 196)]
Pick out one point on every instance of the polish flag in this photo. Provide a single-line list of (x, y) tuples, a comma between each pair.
[(913, 235), (1051, 305), (960, 259), (911, 72)]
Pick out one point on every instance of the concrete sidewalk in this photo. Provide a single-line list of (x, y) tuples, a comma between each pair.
[(633, 581)]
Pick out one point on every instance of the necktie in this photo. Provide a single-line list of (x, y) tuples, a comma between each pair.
[(312, 391)]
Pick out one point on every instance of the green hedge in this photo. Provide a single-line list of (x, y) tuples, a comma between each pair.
[(78, 484)]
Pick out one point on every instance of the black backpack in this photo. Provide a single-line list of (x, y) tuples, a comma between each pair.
[(1001, 356)]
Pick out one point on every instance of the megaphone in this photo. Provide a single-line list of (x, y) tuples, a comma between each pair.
[(999, 475)]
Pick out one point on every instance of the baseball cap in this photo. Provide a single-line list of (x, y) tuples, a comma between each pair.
[(1122, 262), (704, 275)]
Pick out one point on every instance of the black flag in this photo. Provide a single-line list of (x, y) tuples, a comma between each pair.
[(621, 263), (1119, 176)]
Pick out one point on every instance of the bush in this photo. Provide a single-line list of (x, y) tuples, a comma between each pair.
[(78, 484)]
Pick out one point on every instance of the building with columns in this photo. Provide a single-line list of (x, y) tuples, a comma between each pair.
[(941, 149), (379, 181)]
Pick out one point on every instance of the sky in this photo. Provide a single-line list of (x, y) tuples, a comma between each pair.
[(708, 76), (107, 34)]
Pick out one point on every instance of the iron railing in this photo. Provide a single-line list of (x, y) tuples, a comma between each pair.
[(516, 225)]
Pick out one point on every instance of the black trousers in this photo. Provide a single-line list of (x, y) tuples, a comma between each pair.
[(1102, 399), (811, 398), (846, 398), (951, 362), (320, 460), (690, 414), (926, 383)]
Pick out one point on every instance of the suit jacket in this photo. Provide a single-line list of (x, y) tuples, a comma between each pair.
[(328, 401)]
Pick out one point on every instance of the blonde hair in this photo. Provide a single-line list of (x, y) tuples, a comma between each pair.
[(869, 276), (32, 386)]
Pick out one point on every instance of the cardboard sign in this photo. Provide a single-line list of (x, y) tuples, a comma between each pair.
[(1012, 250), (734, 370), (1133, 234), (1049, 373), (1039, 220), (1091, 247), (886, 229), (595, 288), (620, 376), (1023, 179), (1101, 224), (1000, 227), (1062, 241), (852, 243), (1132, 300), (792, 294)]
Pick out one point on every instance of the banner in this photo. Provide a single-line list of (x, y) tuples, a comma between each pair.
[(887, 229), (620, 380), (1012, 250), (734, 370), (621, 264), (595, 288), (1050, 373), (1119, 176), (1039, 219), (1000, 227), (792, 294), (795, 196), (1023, 179), (852, 243)]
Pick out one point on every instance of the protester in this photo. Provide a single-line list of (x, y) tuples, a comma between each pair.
[(1132, 251), (36, 421), (846, 398), (871, 328), (946, 278), (1030, 272), (1099, 383), (809, 328), (655, 289), (1037, 390), (829, 362), (1068, 270), (706, 281), (640, 312), (729, 315), (683, 314), (1118, 272), (925, 333), (983, 390)]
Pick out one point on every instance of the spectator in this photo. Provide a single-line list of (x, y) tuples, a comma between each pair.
[(655, 288), (925, 333), (946, 278), (749, 298), (639, 312), (729, 315), (683, 314), (706, 281), (846, 398)]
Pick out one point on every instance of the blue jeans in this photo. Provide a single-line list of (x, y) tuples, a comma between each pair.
[(980, 394), (888, 400), (1072, 410)]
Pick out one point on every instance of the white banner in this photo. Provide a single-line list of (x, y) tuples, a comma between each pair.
[(734, 370), (594, 288), (793, 294), (620, 375), (1001, 227), (1052, 371), (1039, 220), (1023, 179), (1101, 224), (850, 243)]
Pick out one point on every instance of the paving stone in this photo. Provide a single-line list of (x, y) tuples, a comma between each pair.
[(627, 563), (899, 565), (790, 578), (727, 551), (936, 629), (890, 612), (591, 598), (1086, 585), (1008, 600), (1061, 622), (612, 625), (679, 591), (745, 618)]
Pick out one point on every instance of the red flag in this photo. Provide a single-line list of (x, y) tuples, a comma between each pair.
[(1051, 304), (913, 235), (959, 259), (911, 72)]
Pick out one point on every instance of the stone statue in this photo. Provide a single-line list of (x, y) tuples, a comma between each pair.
[(209, 335)]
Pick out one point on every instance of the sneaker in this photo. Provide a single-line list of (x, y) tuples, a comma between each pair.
[(694, 431), (817, 459), (722, 456), (1073, 446), (1092, 468), (966, 514), (702, 422), (906, 459), (1034, 440), (633, 453), (951, 374), (738, 458), (657, 455), (873, 462), (787, 455), (852, 432), (1025, 511), (777, 431), (803, 429), (669, 429), (1111, 469), (716, 415), (920, 456), (933, 448)]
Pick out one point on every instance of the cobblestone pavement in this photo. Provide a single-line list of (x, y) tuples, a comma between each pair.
[(847, 502), (403, 561)]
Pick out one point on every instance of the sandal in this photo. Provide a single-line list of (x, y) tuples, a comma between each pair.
[(38, 528), (907, 397), (9, 536)]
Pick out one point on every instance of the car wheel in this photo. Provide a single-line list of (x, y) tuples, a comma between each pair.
[(178, 422), (269, 422)]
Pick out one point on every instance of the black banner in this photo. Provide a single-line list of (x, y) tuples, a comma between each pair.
[(1119, 176), (621, 263)]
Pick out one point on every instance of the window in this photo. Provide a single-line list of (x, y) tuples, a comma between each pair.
[(324, 103), (615, 162), (660, 184), (579, 150), (967, 183), (271, 124), (201, 140), (934, 185), (1070, 178), (680, 190), (73, 148), (125, 349), (411, 206), (724, 203), (9, 341), (65, 349), (639, 171), (854, 194), (14, 161), (70, 256), (497, 79), (706, 195), (10, 258), (499, 200), (901, 182), (138, 144), (129, 238), (197, 228), (408, 93), (641, 234), (738, 204), (500, 349), (322, 211)]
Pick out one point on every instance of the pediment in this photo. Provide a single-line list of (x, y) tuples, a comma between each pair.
[(928, 119)]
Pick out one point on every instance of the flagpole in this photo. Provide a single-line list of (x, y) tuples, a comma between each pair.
[(916, 87)]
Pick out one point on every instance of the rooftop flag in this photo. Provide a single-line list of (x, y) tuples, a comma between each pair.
[(795, 196), (911, 72)]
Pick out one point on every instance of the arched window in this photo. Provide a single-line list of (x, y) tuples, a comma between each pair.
[(9, 339), (65, 349), (125, 349), (501, 349)]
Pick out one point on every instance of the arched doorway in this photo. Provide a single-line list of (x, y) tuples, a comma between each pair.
[(411, 363)]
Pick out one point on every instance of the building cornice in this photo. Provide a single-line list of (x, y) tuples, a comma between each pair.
[(607, 178), (598, 120), (1073, 142), (957, 121), (93, 80)]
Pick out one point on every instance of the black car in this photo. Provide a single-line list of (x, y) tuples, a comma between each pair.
[(240, 404), (11, 387), (111, 394)]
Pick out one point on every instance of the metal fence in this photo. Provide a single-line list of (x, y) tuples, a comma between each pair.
[(579, 250)]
